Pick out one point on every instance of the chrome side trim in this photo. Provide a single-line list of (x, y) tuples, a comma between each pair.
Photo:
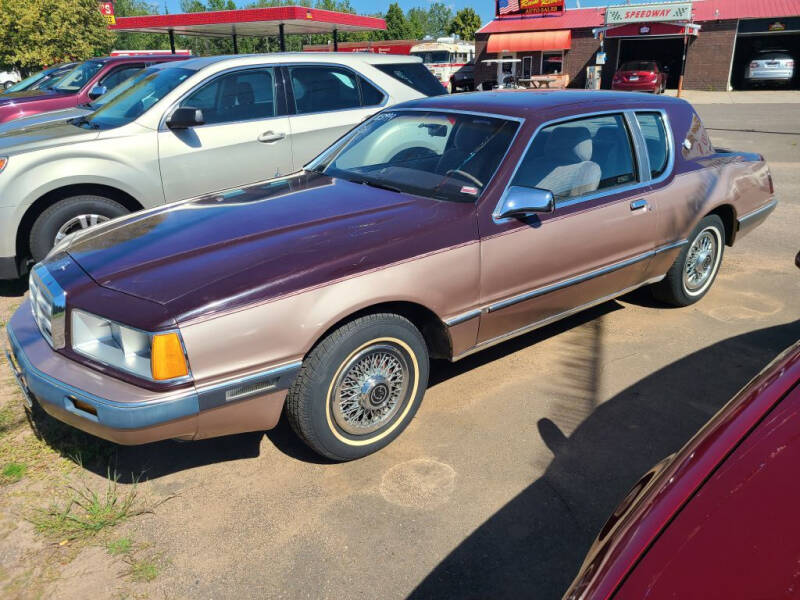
[(544, 322), (271, 380), (580, 278), (769, 206), (463, 317), (630, 117)]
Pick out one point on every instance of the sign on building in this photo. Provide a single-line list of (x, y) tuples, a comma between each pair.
[(640, 13), (107, 10), (506, 8)]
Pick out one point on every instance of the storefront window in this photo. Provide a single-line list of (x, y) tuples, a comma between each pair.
[(552, 63)]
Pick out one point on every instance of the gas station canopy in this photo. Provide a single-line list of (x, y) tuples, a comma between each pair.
[(251, 22)]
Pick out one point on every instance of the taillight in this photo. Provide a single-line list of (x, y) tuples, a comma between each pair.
[(754, 65), (790, 64)]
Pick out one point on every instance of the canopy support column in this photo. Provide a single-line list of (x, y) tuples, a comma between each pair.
[(172, 41), (335, 40), (235, 45), (281, 38)]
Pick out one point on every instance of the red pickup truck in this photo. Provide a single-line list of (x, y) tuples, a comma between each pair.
[(84, 83)]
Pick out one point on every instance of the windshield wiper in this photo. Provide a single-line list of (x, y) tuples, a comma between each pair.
[(376, 184), (81, 121)]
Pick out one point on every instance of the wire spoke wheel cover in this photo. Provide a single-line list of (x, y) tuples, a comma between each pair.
[(370, 388), (702, 261), (78, 223)]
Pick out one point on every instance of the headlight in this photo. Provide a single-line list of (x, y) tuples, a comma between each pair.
[(3, 163), (154, 356)]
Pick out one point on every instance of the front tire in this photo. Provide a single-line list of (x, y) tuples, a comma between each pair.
[(68, 216), (696, 267), (360, 387)]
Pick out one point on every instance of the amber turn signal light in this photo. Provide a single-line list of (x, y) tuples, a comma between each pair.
[(166, 357), (3, 162)]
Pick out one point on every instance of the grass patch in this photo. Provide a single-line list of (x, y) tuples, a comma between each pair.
[(85, 513), (145, 569), (120, 546), (13, 472)]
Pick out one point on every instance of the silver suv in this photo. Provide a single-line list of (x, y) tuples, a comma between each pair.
[(770, 66), (185, 129)]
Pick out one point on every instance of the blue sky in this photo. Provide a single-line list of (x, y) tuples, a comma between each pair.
[(485, 8)]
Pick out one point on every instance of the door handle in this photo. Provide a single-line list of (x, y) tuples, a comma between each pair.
[(269, 137), (637, 204)]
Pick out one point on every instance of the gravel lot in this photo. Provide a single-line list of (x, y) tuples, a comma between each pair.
[(496, 489)]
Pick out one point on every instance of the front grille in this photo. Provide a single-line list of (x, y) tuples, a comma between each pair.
[(47, 305)]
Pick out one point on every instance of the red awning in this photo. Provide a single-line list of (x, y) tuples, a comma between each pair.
[(528, 41)]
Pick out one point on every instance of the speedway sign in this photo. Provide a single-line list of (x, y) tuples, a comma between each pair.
[(642, 13)]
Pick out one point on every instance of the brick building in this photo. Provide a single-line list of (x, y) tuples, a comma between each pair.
[(723, 37)]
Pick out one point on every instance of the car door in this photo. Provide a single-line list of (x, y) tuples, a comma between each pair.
[(597, 241), (326, 101), (244, 138)]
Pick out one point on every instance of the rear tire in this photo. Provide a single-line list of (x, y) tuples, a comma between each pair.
[(359, 387), (696, 267), (69, 215)]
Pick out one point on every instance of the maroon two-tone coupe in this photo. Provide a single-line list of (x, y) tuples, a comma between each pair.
[(437, 228)]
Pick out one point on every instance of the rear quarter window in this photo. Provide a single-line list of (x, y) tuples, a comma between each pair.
[(414, 75)]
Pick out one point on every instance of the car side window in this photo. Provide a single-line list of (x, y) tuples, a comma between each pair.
[(323, 89), (579, 157), (655, 137), (370, 95), (238, 96), (117, 76)]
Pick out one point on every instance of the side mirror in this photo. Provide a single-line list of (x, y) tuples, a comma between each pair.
[(184, 117), (97, 91), (521, 201)]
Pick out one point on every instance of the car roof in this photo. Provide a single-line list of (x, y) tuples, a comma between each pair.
[(345, 58), (520, 103), (139, 58)]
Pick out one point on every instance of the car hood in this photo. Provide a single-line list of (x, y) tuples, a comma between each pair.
[(42, 135), (45, 117), (26, 96), (222, 251)]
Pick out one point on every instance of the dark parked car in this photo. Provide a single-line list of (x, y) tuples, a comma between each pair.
[(463, 80), (85, 82), (719, 518), (437, 228), (640, 76), (42, 80)]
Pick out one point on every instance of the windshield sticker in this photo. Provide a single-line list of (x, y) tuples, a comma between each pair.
[(468, 189)]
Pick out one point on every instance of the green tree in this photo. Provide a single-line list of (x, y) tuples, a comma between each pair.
[(418, 23), (465, 24), (396, 25), (439, 17), (37, 33)]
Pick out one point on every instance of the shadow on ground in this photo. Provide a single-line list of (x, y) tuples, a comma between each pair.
[(534, 545)]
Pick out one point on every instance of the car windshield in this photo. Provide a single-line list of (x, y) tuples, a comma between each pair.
[(26, 83), (435, 154), (434, 56), (121, 88), (638, 65), (136, 99), (78, 77), (52, 80)]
